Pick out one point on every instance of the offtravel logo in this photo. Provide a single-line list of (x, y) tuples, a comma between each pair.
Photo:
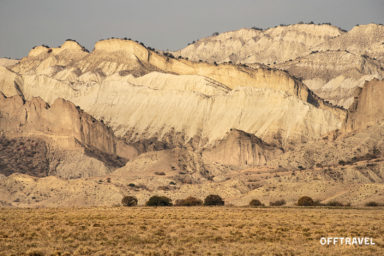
[(347, 241)]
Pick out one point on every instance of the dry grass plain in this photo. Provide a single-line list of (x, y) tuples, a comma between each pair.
[(187, 231)]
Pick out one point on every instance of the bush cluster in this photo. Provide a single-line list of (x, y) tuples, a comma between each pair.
[(255, 203), (129, 201), (372, 204), (159, 201), (165, 201), (213, 200), (278, 203), (216, 200), (305, 201), (189, 201)]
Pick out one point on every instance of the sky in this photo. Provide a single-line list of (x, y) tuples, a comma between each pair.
[(162, 24)]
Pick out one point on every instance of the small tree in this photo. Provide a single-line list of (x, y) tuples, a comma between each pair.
[(255, 203), (129, 201), (159, 201), (305, 201), (189, 201), (213, 200)]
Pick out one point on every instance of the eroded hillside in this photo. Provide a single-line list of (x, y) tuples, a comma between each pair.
[(86, 128), (332, 62), (206, 100)]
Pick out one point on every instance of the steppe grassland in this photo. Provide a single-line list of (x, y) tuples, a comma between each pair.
[(187, 231)]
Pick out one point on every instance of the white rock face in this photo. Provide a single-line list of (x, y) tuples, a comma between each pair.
[(195, 128), (364, 39), (7, 82), (152, 109), (277, 44), (332, 63), (190, 98), (335, 75), (5, 62)]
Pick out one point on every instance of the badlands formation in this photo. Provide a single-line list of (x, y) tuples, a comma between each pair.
[(331, 62), (269, 114)]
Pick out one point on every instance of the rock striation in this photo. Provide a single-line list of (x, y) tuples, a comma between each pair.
[(206, 100), (335, 75), (278, 44), (85, 128), (332, 62)]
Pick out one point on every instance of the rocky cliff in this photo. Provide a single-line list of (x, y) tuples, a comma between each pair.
[(335, 75), (332, 62), (206, 100), (241, 150), (367, 110), (63, 129), (361, 40), (276, 44), (126, 119)]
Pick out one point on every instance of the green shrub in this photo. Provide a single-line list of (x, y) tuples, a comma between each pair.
[(189, 201), (159, 201), (372, 204), (255, 203), (129, 201), (305, 201), (278, 203), (213, 200)]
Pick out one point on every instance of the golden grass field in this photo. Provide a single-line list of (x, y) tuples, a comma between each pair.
[(187, 231)]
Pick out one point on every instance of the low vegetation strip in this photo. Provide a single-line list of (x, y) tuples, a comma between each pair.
[(187, 231)]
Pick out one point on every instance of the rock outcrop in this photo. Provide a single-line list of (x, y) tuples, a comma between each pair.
[(6, 62), (367, 110), (278, 44), (333, 63), (206, 100), (241, 150), (335, 75), (70, 136), (61, 119), (360, 40)]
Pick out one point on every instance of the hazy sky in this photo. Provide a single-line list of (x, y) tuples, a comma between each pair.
[(167, 24)]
